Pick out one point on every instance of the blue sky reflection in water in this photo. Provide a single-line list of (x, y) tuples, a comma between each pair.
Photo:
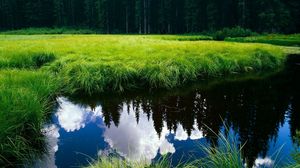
[(261, 113)]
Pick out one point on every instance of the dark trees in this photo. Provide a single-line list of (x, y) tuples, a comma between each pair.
[(152, 16)]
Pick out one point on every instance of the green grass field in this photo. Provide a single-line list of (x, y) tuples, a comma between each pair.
[(102, 63), (35, 68)]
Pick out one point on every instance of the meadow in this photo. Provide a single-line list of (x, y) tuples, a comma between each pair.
[(35, 69), (104, 63)]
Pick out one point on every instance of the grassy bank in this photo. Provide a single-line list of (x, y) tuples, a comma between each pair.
[(35, 68), (24, 101), (104, 63), (276, 39)]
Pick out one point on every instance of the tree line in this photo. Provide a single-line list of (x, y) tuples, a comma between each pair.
[(152, 16)]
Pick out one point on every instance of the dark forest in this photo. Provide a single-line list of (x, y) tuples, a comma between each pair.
[(152, 16)]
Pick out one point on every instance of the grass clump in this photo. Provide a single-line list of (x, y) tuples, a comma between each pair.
[(24, 101), (118, 162), (227, 155), (276, 39), (26, 60)]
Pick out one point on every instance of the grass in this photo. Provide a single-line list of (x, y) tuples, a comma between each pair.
[(24, 101), (93, 63), (216, 158), (113, 162), (35, 68), (296, 154), (276, 39), (227, 155)]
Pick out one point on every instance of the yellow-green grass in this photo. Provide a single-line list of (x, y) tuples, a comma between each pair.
[(35, 68), (97, 63), (276, 39)]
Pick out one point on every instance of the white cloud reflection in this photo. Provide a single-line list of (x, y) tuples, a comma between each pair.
[(52, 135), (73, 117), (181, 134), (135, 141), (263, 162)]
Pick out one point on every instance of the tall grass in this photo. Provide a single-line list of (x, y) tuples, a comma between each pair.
[(24, 101), (93, 63), (296, 153), (26, 60), (228, 154), (113, 162)]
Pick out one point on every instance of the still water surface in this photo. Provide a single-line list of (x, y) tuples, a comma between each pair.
[(263, 114)]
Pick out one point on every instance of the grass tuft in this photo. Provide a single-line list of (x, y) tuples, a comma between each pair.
[(25, 98)]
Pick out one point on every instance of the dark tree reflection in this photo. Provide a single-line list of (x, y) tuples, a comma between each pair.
[(254, 108)]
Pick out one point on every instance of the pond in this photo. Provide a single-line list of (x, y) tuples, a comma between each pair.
[(261, 113)]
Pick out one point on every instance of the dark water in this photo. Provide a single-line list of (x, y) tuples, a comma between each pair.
[(261, 113)]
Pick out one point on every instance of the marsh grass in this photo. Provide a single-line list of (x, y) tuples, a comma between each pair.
[(227, 153), (25, 98), (114, 162), (276, 39), (26, 60), (93, 63)]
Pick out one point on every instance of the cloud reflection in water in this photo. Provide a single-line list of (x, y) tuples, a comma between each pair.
[(135, 141), (52, 135)]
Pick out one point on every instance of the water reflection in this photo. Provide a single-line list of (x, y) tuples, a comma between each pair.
[(263, 162), (52, 136), (263, 114), (72, 117), (137, 141)]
